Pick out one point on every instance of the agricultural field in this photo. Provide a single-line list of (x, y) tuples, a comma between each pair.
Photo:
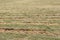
[(29, 19)]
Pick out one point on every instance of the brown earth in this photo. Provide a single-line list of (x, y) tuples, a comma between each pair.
[(29, 31)]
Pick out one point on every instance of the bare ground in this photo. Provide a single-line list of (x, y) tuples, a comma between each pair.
[(29, 31)]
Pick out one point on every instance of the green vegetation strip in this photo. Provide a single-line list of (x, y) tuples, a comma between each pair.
[(19, 36)]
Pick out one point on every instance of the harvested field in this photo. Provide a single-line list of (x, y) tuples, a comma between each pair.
[(29, 19)]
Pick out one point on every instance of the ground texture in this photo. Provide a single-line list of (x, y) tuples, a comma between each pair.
[(29, 19)]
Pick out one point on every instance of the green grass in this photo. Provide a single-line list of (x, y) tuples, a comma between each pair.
[(33, 11), (19, 36), (35, 15)]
